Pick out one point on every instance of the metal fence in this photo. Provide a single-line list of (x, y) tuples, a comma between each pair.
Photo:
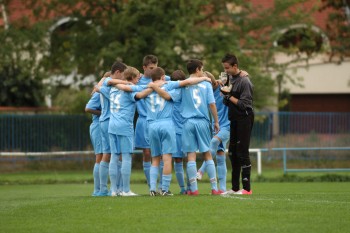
[(61, 132), (68, 136)]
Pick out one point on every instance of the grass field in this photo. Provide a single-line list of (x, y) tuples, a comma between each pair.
[(273, 207)]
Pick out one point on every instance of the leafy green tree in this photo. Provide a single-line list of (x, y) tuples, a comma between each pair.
[(338, 27), (101, 31), (21, 72)]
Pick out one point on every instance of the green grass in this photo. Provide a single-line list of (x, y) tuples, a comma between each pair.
[(85, 176), (273, 207)]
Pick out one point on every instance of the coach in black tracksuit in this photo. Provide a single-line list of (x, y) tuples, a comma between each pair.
[(240, 103)]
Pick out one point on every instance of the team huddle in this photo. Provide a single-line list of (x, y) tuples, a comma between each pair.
[(177, 117)]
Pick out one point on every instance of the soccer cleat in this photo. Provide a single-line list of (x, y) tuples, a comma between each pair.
[(216, 192), (194, 193), (244, 192), (199, 175), (183, 192), (153, 193), (229, 192), (167, 193), (128, 194), (103, 194), (95, 194)]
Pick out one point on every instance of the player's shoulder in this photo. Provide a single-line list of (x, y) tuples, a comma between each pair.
[(105, 82), (205, 85), (144, 80), (167, 78)]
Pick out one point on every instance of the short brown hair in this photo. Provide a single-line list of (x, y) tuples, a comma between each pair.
[(157, 73), (150, 59), (178, 75), (193, 64), (118, 66)]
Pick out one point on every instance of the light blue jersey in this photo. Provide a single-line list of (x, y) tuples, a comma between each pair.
[(95, 130), (178, 122), (104, 97), (122, 109), (159, 108), (95, 104), (224, 133), (196, 133), (195, 100), (177, 117), (162, 135), (221, 109), (141, 104), (141, 129)]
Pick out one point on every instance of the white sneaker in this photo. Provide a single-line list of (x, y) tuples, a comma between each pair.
[(244, 192), (229, 192), (129, 194), (113, 194), (199, 175), (116, 193)]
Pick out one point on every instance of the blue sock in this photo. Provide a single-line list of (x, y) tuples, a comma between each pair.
[(192, 171), (119, 175), (113, 172), (222, 171), (146, 169), (214, 144), (166, 182), (126, 171), (203, 168), (104, 177), (212, 174), (96, 175), (153, 178), (161, 166), (188, 180), (179, 172)]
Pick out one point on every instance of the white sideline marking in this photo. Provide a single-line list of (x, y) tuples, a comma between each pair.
[(287, 199)]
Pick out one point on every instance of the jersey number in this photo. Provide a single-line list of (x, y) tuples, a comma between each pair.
[(197, 98), (155, 99), (115, 103)]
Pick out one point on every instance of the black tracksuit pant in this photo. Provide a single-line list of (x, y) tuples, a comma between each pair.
[(240, 131)]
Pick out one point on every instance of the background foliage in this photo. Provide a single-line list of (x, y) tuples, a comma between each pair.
[(98, 32)]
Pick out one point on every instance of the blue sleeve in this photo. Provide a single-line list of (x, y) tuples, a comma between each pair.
[(167, 78), (105, 82), (104, 90), (172, 85), (211, 98), (175, 95), (94, 102), (137, 88)]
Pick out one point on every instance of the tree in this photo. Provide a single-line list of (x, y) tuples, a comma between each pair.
[(338, 27), (21, 72), (175, 30)]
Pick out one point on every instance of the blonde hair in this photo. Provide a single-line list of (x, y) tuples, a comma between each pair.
[(130, 73), (213, 80), (211, 76)]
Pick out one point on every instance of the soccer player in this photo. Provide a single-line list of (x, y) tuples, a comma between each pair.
[(149, 63), (219, 141), (196, 133), (117, 70), (162, 133), (121, 129), (178, 120), (94, 107)]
